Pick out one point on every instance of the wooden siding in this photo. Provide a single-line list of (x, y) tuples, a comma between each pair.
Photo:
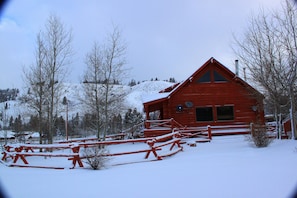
[(212, 95), (234, 92)]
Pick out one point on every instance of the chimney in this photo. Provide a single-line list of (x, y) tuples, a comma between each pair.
[(236, 67)]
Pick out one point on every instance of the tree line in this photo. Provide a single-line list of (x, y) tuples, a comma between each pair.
[(77, 126), (8, 94), (132, 82)]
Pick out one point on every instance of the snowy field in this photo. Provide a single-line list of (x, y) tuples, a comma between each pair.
[(226, 167)]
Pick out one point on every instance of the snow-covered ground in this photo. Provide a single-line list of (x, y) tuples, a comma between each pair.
[(228, 166)]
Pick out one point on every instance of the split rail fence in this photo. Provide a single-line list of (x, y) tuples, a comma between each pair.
[(18, 154)]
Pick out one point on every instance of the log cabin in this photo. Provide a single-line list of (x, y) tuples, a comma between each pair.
[(212, 95)]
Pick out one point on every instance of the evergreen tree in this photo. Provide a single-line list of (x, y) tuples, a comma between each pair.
[(11, 123), (18, 124), (59, 125), (75, 124), (132, 83), (132, 117), (116, 124), (172, 80), (33, 123)]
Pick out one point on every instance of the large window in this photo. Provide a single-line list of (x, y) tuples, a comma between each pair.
[(204, 114), (225, 113), (218, 77), (205, 78), (212, 76)]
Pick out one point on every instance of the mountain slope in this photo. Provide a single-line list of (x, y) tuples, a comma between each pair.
[(133, 99)]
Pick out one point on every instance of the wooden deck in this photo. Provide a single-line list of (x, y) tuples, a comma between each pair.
[(160, 127)]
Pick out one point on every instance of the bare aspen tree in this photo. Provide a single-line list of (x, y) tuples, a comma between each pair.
[(34, 80), (111, 60), (287, 20), (257, 51), (267, 50), (44, 78), (57, 40), (93, 78), (114, 59)]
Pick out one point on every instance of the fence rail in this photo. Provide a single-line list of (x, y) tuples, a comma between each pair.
[(17, 154)]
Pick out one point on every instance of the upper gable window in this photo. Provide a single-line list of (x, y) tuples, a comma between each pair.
[(205, 78), (218, 77)]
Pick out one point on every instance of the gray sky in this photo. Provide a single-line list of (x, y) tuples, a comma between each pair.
[(165, 38)]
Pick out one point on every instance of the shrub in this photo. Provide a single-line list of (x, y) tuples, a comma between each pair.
[(96, 157), (259, 136)]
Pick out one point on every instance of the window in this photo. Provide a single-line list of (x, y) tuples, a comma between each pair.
[(204, 114), (204, 78), (218, 77), (155, 115), (225, 113)]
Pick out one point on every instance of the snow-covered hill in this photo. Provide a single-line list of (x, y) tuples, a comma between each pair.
[(138, 93), (134, 98)]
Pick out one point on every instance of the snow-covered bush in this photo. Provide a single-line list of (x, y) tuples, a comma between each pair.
[(259, 136), (96, 157)]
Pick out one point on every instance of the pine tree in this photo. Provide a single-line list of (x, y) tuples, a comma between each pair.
[(132, 118), (172, 80), (33, 123), (18, 124), (11, 123), (132, 83)]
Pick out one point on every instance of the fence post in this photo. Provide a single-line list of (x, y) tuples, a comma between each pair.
[(172, 123), (209, 132), (147, 124)]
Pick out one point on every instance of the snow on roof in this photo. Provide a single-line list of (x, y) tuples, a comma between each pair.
[(156, 96), (33, 134), (11, 134), (6, 134), (161, 94)]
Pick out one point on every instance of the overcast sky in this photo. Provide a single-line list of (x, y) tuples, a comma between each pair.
[(165, 38)]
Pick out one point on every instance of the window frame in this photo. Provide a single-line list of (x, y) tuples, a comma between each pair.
[(221, 116), (207, 108), (205, 78), (217, 74)]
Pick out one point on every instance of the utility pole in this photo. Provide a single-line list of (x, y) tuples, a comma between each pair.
[(65, 102)]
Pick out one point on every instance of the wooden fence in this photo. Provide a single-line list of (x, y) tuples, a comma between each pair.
[(17, 154)]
